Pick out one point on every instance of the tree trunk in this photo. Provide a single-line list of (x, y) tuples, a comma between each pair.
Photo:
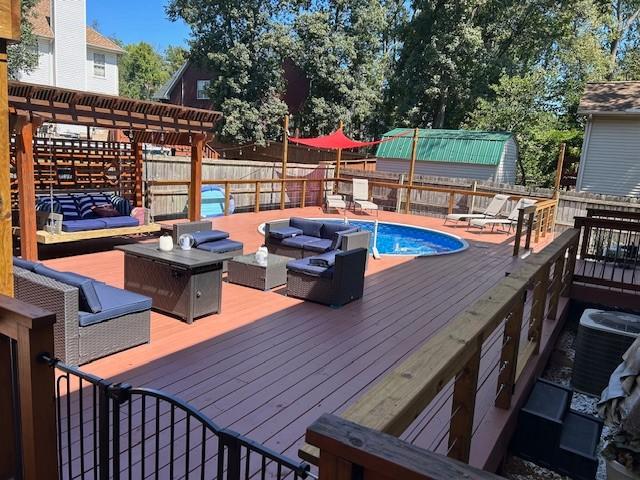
[(441, 111)]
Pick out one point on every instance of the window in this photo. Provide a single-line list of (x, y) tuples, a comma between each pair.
[(202, 87), (99, 65)]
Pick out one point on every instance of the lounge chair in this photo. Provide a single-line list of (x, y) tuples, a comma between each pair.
[(492, 211), (510, 221), (335, 202), (361, 195)]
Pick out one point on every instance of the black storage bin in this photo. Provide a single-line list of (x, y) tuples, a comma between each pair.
[(577, 453), (537, 435)]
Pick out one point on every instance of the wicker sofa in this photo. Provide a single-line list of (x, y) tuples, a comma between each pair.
[(339, 282), (300, 238), (216, 242), (122, 319)]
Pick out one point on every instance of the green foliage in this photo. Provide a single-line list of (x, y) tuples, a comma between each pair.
[(174, 57), (23, 56), (142, 71)]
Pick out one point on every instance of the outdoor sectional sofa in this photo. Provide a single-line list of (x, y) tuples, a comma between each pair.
[(300, 237), (205, 238), (74, 212), (93, 319)]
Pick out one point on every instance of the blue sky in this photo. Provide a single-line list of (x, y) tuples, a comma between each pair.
[(136, 20)]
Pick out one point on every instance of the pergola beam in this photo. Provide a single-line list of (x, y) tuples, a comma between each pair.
[(26, 189), (195, 186), (6, 270)]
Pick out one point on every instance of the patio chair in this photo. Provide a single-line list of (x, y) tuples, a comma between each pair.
[(335, 201), (361, 195), (216, 242), (493, 209), (510, 221)]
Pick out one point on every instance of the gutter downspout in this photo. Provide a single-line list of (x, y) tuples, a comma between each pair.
[(583, 153)]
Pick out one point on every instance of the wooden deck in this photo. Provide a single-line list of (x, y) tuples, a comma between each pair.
[(269, 365)]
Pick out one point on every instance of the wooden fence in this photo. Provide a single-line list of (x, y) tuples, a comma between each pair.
[(509, 318)]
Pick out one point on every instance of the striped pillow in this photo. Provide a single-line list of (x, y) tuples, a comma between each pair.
[(122, 204)]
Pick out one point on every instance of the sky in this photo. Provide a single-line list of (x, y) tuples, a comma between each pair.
[(136, 20)]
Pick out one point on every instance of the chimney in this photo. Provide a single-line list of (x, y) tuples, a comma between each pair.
[(68, 21)]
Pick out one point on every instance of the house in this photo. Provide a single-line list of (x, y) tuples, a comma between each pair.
[(451, 153), (70, 53), (610, 158), (188, 86)]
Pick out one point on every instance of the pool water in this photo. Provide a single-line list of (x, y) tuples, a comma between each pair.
[(399, 239)]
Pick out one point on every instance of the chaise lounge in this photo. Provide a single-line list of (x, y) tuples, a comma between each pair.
[(300, 237), (93, 319)]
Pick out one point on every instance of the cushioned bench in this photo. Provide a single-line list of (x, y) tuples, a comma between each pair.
[(93, 319), (300, 238)]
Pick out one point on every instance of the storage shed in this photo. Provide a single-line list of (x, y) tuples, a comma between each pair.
[(451, 153), (610, 158)]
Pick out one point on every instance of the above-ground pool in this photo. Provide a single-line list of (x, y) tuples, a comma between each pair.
[(402, 239)]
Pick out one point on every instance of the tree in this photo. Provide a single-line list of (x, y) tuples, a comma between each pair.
[(343, 47), (241, 41), (142, 71), (23, 56), (174, 57)]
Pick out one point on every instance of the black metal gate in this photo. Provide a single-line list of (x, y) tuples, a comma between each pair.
[(114, 431)]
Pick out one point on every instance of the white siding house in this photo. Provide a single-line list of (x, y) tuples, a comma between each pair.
[(610, 158), (451, 153), (68, 50)]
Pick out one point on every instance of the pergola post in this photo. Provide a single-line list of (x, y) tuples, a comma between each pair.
[(9, 30), (285, 158), (414, 155), (138, 169), (559, 166), (26, 189), (195, 187)]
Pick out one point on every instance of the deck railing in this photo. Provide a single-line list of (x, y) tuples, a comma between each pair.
[(535, 221), (506, 323)]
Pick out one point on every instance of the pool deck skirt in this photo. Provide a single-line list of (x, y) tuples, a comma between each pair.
[(269, 365)]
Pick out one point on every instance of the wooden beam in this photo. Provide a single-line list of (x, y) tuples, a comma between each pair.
[(26, 190), (48, 238), (6, 249), (559, 166), (195, 187), (462, 408), (285, 157), (138, 172), (10, 19), (414, 155)]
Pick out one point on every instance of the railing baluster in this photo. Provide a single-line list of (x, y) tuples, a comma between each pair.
[(538, 307), (556, 287), (509, 354)]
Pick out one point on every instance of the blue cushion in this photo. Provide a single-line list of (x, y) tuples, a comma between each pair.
[(329, 229), (119, 222), (320, 245), (221, 246), (88, 298), (115, 303), (87, 201), (337, 240), (68, 206), (284, 232), (44, 204), (121, 204), (25, 264), (81, 225), (308, 227), (299, 241), (326, 260), (303, 266), (206, 236)]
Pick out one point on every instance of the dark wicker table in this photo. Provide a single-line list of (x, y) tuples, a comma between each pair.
[(184, 283), (245, 270)]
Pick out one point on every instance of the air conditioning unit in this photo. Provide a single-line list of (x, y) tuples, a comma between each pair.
[(603, 337)]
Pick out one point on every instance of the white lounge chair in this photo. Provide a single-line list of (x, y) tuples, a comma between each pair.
[(492, 211), (361, 195), (335, 201), (510, 221)]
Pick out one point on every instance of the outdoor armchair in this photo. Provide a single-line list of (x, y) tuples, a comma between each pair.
[(361, 195), (510, 221)]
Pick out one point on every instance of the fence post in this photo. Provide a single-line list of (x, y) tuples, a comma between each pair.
[(304, 193), (399, 193), (474, 188), (462, 409), (407, 205), (518, 238), (282, 195), (452, 201), (30, 330), (227, 197), (509, 355), (530, 226), (257, 199), (233, 456)]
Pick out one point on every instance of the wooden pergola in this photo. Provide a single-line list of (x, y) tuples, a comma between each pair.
[(146, 122)]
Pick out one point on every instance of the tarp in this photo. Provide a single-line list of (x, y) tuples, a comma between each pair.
[(334, 141)]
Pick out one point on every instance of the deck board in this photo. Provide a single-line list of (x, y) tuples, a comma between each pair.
[(269, 365)]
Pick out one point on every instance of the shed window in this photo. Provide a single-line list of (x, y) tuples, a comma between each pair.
[(202, 87), (99, 65)]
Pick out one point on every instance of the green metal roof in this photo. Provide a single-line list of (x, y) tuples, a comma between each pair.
[(453, 146)]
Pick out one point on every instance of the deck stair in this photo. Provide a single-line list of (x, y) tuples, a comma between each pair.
[(554, 436)]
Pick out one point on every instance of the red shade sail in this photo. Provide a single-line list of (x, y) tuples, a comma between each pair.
[(334, 141)]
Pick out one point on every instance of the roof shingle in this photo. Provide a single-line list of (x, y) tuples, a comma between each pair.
[(611, 98)]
